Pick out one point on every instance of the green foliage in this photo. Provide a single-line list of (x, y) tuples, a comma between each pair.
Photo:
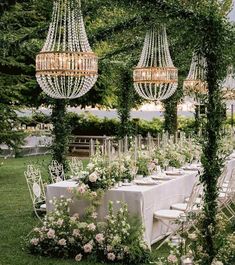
[(125, 103), (61, 132), (63, 236), (142, 165), (170, 116), (214, 33), (36, 118), (9, 133), (88, 124)]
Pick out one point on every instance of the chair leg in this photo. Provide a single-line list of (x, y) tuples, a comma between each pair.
[(225, 205), (36, 213), (168, 237)]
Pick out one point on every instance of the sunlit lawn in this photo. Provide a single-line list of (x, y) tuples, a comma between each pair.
[(16, 216)]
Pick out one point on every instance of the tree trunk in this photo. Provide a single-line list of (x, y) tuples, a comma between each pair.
[(61, 132), (170, 116), (125, 103)]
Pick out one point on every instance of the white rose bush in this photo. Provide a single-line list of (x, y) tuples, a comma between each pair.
[(118, 239)]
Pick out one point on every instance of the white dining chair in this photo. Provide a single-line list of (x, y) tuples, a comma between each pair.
[(172, 217), (36, 189), (194, 202), (226, 196), (56, 171), (76, 166)]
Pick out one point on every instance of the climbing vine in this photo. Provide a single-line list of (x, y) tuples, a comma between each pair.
[(125, 102), (214, 31), (61, 132)]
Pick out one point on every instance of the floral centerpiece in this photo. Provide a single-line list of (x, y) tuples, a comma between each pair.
[(177, 154), (102, 172), (98, 175), (142, 163)]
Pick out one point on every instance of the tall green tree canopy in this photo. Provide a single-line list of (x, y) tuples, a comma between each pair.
[(116, 31)]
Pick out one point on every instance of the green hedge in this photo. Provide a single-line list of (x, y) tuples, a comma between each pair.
[(89, 124)]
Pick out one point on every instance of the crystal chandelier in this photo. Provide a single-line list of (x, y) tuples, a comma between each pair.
[(155, 77), (228, 85), (66, 67), (195, 85)]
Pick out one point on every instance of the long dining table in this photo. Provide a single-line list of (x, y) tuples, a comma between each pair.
[(142, 200)]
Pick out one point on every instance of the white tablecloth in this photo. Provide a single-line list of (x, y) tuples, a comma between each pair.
[(230, 166), (142, 200)]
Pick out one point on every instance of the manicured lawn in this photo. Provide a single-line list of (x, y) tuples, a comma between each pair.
[(16, 216)]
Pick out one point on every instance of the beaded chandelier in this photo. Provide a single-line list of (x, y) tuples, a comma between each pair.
[(66, 67), (155, 77), (195, 85), (228, 85)]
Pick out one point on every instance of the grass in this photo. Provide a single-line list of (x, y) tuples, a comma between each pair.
[(16, 215)]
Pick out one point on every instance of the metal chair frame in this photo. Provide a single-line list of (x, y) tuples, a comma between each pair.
[(169, 222), (76, 166), (36, 189), (227, 188), (56, 171)]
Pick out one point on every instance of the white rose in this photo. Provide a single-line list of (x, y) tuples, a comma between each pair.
[(90, 166), (93, 177)]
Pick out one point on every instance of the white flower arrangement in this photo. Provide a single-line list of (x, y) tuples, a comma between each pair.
[(176, 155), (115, 241)]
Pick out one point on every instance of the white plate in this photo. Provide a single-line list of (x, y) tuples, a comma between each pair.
[(161, 177), (174, 173), (146, 182), (126, 184), (191, 168)]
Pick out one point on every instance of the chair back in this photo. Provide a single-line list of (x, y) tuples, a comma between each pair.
[(222, 178), (197, 192), (230, 188), (35, 185), (56, 171), (76, 166)]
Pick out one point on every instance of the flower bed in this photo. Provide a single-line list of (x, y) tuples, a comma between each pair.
[(118, 239)]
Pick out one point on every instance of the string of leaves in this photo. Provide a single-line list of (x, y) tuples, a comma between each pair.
[(61, 132)]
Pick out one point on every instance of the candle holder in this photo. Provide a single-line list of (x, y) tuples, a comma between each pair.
[(120, 184), (176, 240), (186, 260)]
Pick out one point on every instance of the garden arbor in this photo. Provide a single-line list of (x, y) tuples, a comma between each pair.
[(205, 21), (208, 22)]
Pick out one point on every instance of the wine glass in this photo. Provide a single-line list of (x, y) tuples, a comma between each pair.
[(166, 164), (134, 171)]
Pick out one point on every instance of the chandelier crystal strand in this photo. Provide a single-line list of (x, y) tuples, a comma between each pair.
[(155, 77), (66, 67), (195, 85)]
